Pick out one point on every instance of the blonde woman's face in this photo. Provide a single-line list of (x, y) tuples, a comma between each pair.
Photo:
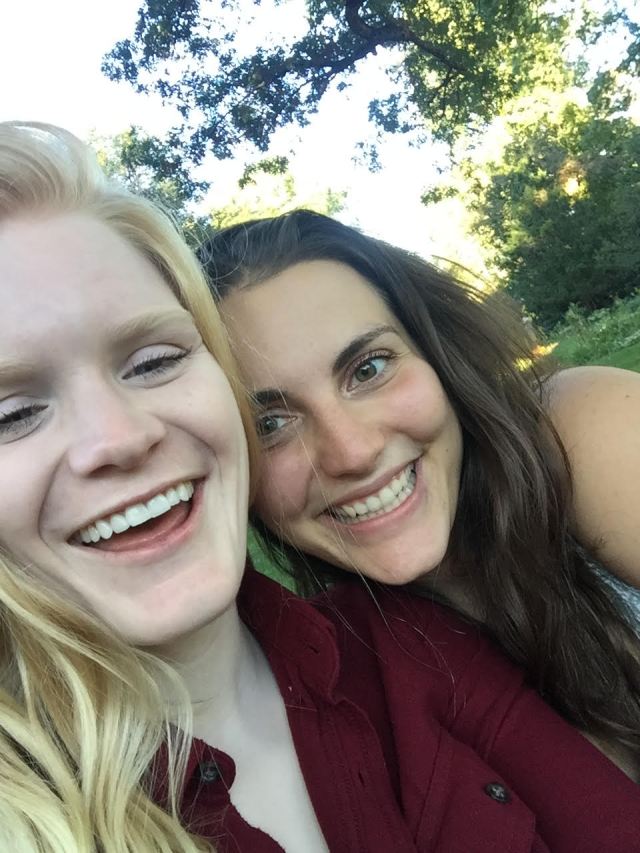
[(123, 463)]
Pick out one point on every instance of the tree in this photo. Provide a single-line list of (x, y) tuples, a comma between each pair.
[(154, 168), (453, 65), (557, 203), (151, 166)]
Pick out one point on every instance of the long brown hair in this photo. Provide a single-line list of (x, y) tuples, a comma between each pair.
[(536, 589)]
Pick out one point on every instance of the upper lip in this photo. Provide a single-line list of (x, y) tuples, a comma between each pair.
[(138, 499), (370, 489)]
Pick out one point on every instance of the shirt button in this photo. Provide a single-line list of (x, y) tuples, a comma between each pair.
[(209, 771), (497, 792)]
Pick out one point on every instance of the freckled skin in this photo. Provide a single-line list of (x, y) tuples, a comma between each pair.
[(342, 431)]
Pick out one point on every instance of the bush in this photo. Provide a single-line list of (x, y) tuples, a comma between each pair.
[(584, 338)]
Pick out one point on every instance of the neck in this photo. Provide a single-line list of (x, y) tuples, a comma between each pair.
[(221, 664)]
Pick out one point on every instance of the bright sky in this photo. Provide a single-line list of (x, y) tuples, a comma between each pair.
[(50, 55)]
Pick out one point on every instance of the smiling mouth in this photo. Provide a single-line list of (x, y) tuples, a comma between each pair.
[(389, 497), (139, 524)]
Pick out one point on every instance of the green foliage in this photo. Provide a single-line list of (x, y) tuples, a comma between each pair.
[(266, 565), (155, 168), (547, 181), (627, 358), (267, 188), (152, 167), (555, 196), (267, 166), (564, 211), (599, 336), (452, 64)]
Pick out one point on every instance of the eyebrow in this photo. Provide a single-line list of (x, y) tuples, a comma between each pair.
[(356, 346), (266, 397), (12, 372), (145, 324)]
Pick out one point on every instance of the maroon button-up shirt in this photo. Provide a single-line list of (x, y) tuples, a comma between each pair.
[(414, 733)]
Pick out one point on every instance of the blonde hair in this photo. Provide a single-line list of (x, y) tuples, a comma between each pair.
[(82, 714)]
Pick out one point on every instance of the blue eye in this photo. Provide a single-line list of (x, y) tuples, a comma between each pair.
[(269, 424)]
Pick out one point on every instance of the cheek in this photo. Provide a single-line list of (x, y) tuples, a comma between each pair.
[(282, 491), (22, 495), (420, 402), (209, 412)]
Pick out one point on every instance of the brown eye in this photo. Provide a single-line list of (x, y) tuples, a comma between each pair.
[(370, 368)]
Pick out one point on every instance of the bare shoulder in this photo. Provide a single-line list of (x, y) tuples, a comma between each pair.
[(580, 392), (596, 411)]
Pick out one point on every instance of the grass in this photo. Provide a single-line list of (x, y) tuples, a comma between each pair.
[(609, 336), (629, 358)]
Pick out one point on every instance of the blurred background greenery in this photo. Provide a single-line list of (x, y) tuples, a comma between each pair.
[(525, 115)]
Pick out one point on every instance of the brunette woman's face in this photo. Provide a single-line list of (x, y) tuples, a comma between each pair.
[(123, 463), (362, 449)]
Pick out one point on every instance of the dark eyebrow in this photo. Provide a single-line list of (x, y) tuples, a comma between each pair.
[(354, 347), (266, 398)]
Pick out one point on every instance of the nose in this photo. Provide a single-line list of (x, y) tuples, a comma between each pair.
[(347, 442), (112, 431)]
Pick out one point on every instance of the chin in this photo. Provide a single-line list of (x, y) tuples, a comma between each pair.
[(399, 567), (176, 616)]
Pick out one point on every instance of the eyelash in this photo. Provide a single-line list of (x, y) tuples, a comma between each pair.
[(161, 363), (17, 419), (371, 356)]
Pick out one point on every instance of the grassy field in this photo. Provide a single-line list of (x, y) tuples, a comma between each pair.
[(627, 357), (609, 336)]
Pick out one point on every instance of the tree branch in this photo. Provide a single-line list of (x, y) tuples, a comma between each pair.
[(395, 32)]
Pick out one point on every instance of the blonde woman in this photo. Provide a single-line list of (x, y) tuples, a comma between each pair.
[(149, 703)]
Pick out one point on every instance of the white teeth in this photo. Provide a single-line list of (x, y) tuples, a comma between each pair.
[(158, 506), (118, 523), (104, 529), (173, 497), (388, 498), (133, 516), (137, 515), (185, 490)]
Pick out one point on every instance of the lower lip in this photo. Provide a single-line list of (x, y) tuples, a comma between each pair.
[(162, 545), (380, 523)]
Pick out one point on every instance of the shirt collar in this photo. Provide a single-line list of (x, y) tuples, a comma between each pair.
[(301, 646), (291, 631)]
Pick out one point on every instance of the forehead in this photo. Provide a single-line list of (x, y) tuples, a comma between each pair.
[(71, 268), (294, 324)]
